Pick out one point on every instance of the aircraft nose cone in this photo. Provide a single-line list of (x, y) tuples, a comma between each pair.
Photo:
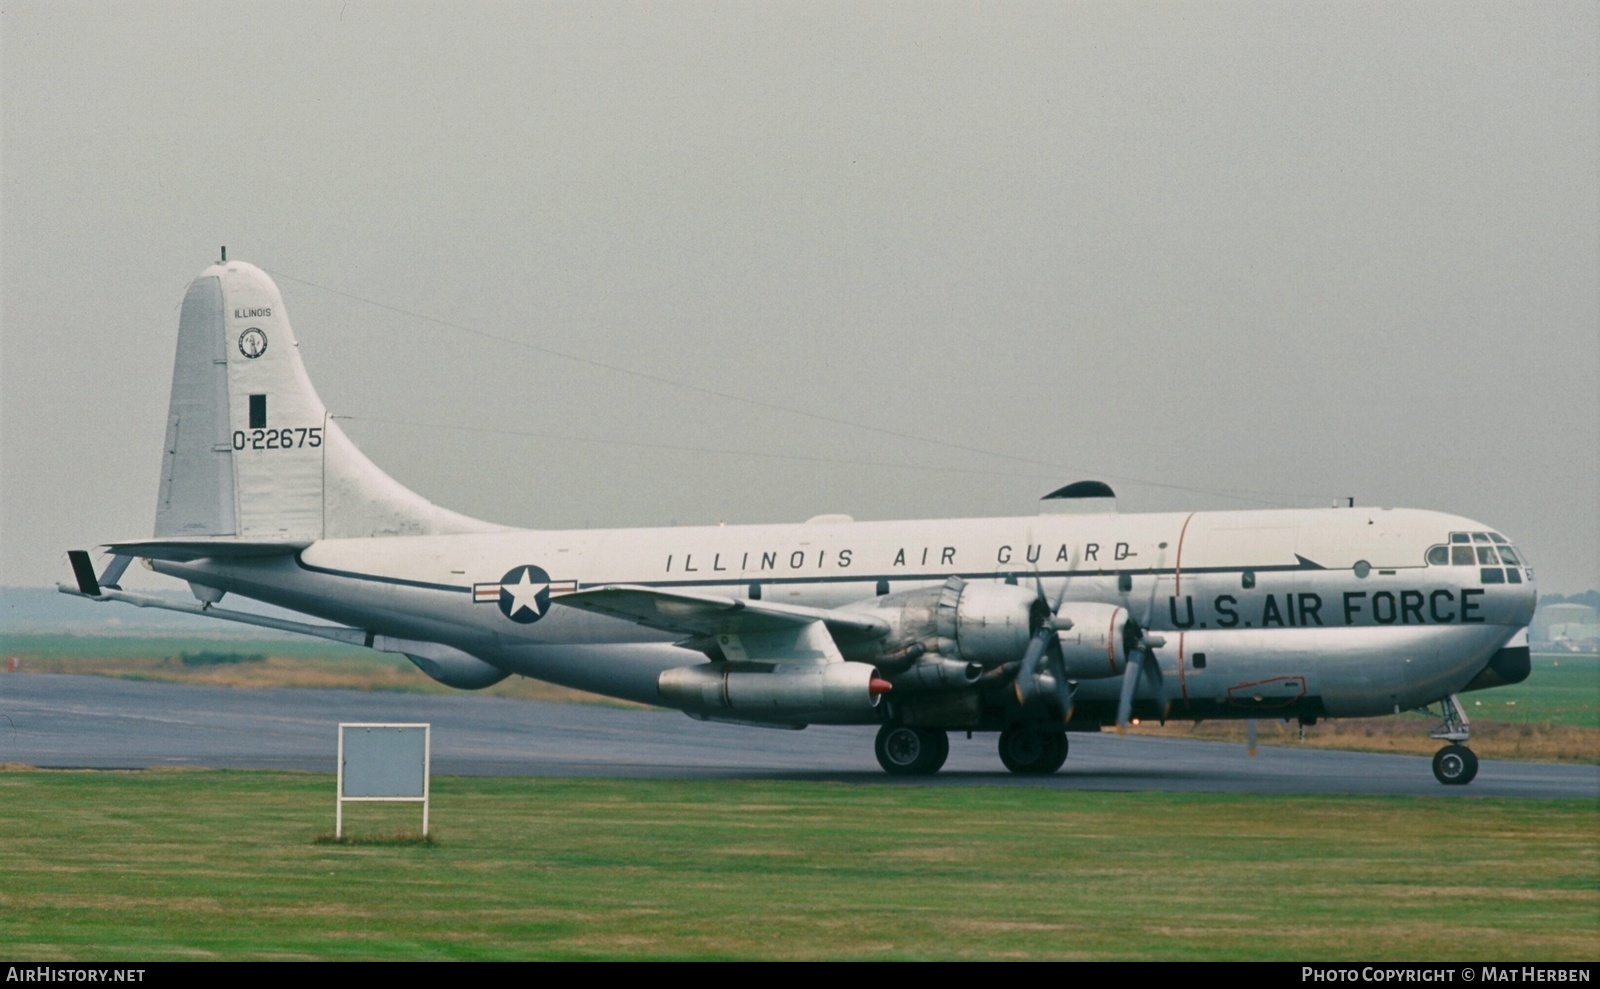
[(1527, 601)]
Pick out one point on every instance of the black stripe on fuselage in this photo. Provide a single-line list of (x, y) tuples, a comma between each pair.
[(901, 578)]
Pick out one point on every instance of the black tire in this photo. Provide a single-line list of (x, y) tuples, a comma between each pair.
[(906, 751), (1034, 752), (941, 746), (1455, 765)]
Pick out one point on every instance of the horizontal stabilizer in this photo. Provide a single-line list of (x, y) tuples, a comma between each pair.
[(447, 664), (711, 614), (337, 633), (206, 547)]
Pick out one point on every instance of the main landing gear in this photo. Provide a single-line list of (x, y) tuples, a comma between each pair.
[(1455, 764), (1032, 751), (906, 751)]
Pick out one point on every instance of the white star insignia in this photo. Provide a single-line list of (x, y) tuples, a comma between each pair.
[(525, 594)]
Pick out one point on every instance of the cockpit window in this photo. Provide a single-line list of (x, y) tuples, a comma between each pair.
[(1479, 549)]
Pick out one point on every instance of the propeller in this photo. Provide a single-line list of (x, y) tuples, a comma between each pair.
[(1141, 644), (1250, 736), (1045, 646)]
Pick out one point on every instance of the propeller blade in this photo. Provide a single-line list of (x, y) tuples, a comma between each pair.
[(1063, 688), (1152, 672), (1025, 682), (1130, 679), (1250, 736)]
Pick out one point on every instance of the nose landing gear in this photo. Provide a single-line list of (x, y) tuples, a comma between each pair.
[(1455, 764)]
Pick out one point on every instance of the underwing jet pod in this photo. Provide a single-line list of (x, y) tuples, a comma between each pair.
[(1032, 627)]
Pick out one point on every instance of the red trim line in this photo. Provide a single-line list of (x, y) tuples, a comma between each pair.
[(1177, 573), (1111, 642)]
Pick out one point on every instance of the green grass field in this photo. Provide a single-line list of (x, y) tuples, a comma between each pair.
[(1562, 689), (287, 663), (94, 648), (164, 865)]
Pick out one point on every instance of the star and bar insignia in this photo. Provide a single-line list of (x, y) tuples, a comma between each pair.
[(523, 594)]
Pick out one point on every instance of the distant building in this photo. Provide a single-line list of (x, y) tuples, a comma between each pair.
[(1565, 627)]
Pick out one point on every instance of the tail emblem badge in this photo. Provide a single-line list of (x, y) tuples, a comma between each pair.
[(252, 343)]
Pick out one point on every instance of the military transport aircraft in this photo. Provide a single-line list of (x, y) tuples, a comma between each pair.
[(1033, 627)]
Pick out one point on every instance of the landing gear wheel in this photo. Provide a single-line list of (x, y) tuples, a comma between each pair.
[(1028, 750), (1455, 765), (906, 751)]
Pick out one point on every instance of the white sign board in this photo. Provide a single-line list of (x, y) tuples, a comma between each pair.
[(388, 763)]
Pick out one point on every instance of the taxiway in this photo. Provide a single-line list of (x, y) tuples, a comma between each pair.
[(60, 721)]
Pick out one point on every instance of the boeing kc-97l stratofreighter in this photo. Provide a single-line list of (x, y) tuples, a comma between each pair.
[(1032, 627)]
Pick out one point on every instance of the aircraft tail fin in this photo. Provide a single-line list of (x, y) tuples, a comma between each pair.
[(250, 451)]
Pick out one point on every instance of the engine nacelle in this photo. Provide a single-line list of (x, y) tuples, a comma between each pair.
[(962, 623), (1094, 645), (995, 621), (799, 691)]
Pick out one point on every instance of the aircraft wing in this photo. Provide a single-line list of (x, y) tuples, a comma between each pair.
[(698, 614)]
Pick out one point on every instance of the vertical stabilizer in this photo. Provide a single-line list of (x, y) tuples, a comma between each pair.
[(251, 451), (278, 426)]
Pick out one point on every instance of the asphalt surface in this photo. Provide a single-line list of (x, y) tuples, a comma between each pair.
[(57, 721)]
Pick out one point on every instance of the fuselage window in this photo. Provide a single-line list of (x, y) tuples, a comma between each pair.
[(1480, 537), (1460, 537), (1495, 537), (1486, 555), (1461, 556), (1247, 579), (1438, 556), (1513, 575), (1509, 556), (1493, 575)]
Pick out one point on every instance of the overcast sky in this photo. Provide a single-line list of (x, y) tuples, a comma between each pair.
[(1282, 252)]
